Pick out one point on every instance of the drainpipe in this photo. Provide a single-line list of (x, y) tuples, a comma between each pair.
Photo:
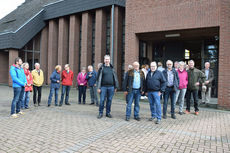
[(112, 36)]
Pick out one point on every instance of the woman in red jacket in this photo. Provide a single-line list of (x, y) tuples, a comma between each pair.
[(28, 87), (67, 80)]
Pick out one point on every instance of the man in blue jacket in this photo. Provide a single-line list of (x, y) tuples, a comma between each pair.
[(92, 78), (19, 82), (155, 86), (172, 85)]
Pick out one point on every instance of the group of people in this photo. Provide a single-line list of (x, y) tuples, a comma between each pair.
[(172, 82)]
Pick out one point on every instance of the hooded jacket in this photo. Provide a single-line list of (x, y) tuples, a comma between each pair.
[(29, 79), (18, 76)]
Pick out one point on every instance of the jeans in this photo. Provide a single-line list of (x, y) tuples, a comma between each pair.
[(169, 92), (134, 95), (180, 94), (52, 90), (26, 99), (195, 97), (65, 90), (155, 104), (106, 94), (206, 95), (18, 97), (93, 94), (39, 90), (82, 92)]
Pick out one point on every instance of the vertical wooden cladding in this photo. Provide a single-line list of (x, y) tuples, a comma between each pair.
[(63, 39), (100, 33), (12, 55), (52, 47), (44, 53), (86, 51), (74, 37)]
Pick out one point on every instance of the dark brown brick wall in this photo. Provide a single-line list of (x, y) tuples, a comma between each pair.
[(4, 70), (44, 53)]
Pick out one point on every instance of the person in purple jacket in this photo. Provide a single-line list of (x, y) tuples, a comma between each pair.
[(82, 85), (180, 93)]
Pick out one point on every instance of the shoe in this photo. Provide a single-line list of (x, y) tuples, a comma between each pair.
[(99, 116), (79, 102), (109, 115), (202, 103), (56, 104), (137, 118), (142, 97), (83, 103), (157, 121), (39, 104), (27, 108), (196, 113), (152, 118), (164, 117), (187, 112), (173, 116), (60, 105), (67, 103), (48, 105), (21, 113), (127, 118), (91, 103), (181, 113), (35, 105), (14, 116)]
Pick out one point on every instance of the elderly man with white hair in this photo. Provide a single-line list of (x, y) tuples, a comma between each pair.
[(172, 84), (38, 79), (207, 85), (154, 86), (133, 87)]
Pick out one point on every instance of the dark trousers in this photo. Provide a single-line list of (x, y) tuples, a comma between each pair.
[(39, 90), (169, 92), (82, 92), (65, 90), (195, 97)]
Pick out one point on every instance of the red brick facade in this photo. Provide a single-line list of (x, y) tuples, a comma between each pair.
[(167, 15)]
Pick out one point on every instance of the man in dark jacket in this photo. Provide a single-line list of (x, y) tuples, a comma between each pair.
[(172, 85), (92, 78), (107, 85), (154, 86), (133, 87), (207, 85), (195, 79)]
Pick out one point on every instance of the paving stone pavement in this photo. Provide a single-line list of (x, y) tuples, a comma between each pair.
[(75, 128)]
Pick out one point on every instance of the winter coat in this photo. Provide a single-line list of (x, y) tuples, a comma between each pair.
[(194, 76), (55, 76), (176, 80), (29, 79), (67, 78), (38, 79), (18, 76), (128, 82), (92, 80), (156, 82), (81, 79), (183, 76)]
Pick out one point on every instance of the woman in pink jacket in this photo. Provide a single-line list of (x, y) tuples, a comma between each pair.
[(82, 85), (28, 87), (180, 93)]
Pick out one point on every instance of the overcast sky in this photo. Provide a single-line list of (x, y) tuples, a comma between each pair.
[(7, 6)]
